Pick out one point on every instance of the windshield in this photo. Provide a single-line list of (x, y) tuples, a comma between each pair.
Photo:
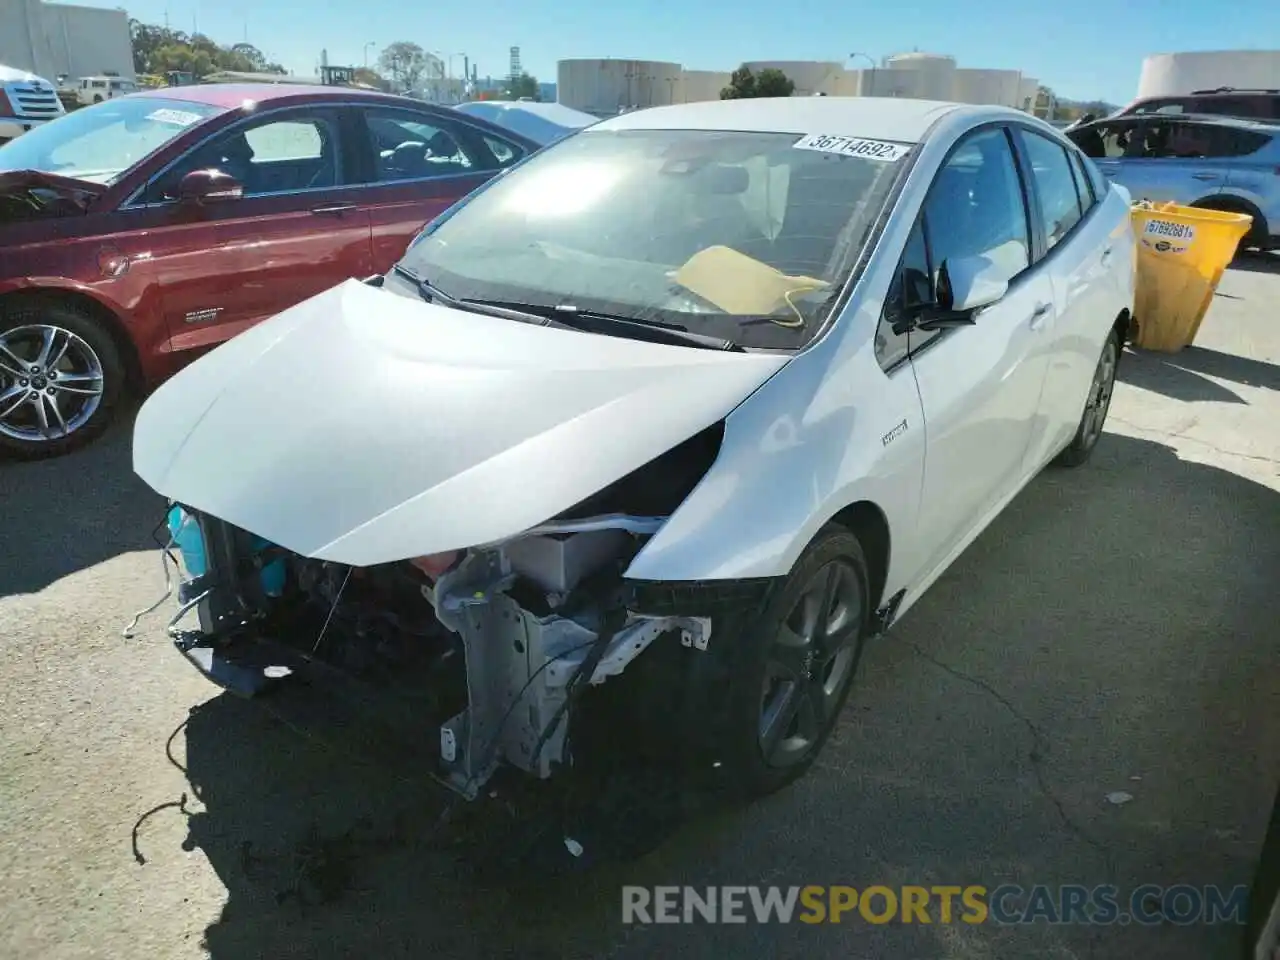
[(100, 143), (742, 236)]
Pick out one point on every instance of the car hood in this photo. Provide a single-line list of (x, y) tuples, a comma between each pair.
[(364, 427), (20, 181)]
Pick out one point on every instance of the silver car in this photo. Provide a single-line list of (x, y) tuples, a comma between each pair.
[(1221, 163)]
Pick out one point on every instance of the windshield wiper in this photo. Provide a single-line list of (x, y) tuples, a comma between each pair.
[(433, 294), (568, 314)]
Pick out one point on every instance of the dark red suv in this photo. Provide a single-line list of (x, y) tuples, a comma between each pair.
[(136, 233)]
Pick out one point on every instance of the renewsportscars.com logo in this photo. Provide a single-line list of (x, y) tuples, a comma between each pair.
[(1101, 905)]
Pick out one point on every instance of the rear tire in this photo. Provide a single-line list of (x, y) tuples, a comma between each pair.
[(61, 379), (789, 667), (1096, 406)]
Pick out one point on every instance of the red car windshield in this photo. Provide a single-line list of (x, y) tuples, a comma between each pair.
[(102, 142)]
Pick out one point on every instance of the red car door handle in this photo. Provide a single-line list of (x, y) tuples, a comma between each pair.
[(333, 209)]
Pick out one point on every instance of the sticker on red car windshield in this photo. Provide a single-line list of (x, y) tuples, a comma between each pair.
[(881, 150), (179, 118)]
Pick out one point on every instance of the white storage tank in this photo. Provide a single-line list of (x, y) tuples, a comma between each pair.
[(700, 85), (1001, 87), (604, 87), (809, 76), (1166, 74), (926, 76)]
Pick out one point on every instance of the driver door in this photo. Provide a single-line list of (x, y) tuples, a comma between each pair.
[(301, 227), (979, 385)]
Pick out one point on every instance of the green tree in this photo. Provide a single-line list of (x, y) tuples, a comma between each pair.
[(522, 86), (371, 78), (774, 83), (744, 85), (157, 50), (249, 59), (403, 63)]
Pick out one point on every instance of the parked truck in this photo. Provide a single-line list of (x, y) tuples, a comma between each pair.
[(26, 102)]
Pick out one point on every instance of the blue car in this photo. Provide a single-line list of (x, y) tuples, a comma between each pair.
[(1215, 162)]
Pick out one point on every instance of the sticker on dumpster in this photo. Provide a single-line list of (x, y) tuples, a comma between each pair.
[(1166, 237), (1171, 231)]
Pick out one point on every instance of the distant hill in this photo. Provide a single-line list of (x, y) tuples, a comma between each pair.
[(1098, 107)]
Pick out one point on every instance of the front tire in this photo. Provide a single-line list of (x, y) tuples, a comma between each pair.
[(1096, 406), (790, 667), (61, 378)]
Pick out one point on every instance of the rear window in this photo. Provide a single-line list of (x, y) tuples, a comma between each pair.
[(1248, 106)]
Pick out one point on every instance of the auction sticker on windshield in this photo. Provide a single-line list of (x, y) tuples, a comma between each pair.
[(179, 118), (881, 150)]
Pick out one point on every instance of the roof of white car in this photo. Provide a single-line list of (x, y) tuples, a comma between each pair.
[(879, 118), (556, 113), (14, 75)]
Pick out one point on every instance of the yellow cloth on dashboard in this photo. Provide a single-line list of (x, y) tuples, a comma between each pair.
[(740, 284)]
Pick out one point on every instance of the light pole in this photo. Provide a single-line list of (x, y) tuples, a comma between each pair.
[(869, 60), (371, 43)]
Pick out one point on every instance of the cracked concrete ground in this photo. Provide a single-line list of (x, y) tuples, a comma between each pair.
[(1116, 629)]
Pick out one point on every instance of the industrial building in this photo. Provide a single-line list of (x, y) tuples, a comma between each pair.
[(60, 39), (604, 87), (1167, 74)]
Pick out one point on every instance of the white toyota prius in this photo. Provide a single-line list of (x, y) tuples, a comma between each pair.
[(645, 438)]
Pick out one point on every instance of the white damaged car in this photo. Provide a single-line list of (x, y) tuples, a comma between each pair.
[(677, 413)]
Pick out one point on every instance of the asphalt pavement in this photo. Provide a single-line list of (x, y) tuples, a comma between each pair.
[(1116, 630)]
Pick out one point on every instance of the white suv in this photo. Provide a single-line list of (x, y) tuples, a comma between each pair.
[(26, 101)]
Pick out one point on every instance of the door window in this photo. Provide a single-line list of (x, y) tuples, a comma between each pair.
[(976, 207), (1085, 180), (1055, 184), (507, 154), (273, 156), (911, 288), (411, 147)]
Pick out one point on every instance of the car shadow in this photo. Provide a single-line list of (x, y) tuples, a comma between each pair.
[(69, 513), (1177, 375), (1090, 633), (1257, 262), (1228, 366)]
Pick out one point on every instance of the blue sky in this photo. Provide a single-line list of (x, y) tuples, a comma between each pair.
[(1085, 49)]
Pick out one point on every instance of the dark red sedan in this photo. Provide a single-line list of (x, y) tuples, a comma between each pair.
[(136, 233)]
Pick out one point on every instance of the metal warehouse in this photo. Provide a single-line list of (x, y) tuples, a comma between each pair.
[(56, 39)]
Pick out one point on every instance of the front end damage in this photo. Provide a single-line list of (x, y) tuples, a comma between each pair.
[(448, 532), (483, 654)]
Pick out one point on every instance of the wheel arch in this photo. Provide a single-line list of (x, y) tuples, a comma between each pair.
[(91, 305), (1123, 326), (1234, 203), (866, 521)]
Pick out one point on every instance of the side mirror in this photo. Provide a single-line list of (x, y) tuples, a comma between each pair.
[(208, 186), (965, 286), (973, 283)]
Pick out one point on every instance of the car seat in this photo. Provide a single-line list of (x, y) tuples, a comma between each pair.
[(443, 157)]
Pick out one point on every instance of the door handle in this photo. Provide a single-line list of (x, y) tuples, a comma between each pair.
[(1039, 315), (1106, 253), (1206, 176), (333, 209)]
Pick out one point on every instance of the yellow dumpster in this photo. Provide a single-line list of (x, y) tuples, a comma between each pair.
[(1182, 252)]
